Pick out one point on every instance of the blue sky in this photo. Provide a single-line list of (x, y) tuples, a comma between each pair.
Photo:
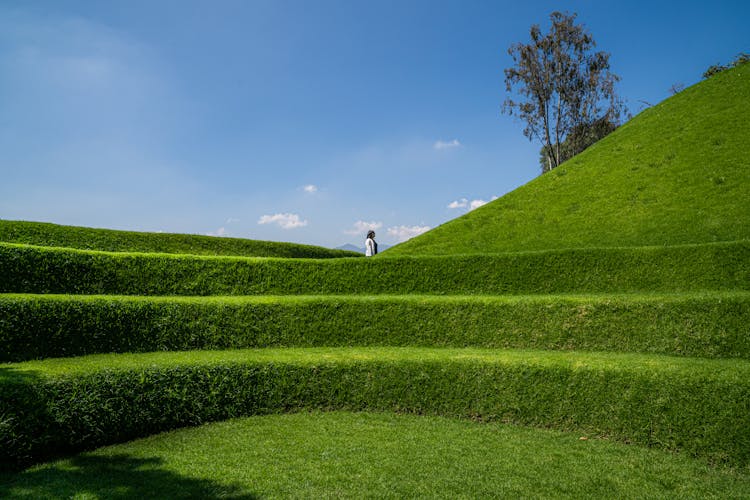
[(305, 121)]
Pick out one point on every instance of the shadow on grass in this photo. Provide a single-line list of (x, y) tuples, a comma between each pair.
[(30, 434), (112, 477)]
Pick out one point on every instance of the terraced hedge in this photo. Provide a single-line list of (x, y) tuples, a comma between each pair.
[(702, 325), (701, 407), (54, 235), (397, 341), (720, 266)]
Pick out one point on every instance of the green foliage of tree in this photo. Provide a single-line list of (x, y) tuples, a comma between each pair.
[(580, 138), (562, 89)]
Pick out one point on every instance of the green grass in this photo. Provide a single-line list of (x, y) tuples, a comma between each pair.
[(709, 324), (334, 455), (642, 243), (677, 173), (59, 406), (54, 235), (719, 266)]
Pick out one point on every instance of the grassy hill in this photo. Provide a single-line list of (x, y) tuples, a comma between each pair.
[(516, 353), (677, 173), (86, 238)]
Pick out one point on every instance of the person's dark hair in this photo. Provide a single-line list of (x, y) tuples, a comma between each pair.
[(370, 234)]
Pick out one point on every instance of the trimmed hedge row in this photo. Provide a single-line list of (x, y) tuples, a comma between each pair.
[(53, 407), (703, 325), (54, 235), (720, 266)]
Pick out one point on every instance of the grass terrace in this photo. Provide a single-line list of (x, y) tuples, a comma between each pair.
[(110, 240), (705, 324), (686, 268), (584, 336), (697, 406)]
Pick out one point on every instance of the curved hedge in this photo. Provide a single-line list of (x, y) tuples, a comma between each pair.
[(86, 238), (701, 407), (720, 266), (703, 325)]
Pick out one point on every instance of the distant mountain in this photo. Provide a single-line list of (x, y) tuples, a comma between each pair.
[(355, 248), (351, 248)]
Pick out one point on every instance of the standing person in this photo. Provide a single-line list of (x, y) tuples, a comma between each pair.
[(371, 246)]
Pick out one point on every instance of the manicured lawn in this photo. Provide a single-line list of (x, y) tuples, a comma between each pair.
[(60, 406), (676, 173), (333, 455), (680, 268), (608, 300), (707, 324), (55, 235)]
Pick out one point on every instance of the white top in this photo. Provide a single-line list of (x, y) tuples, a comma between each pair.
[(369, 247)]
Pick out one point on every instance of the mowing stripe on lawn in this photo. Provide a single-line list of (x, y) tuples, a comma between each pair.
[(715, 266), (698, 324), (699, 406)]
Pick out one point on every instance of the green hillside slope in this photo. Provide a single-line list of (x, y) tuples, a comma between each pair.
[(86, 238), (677, 173)]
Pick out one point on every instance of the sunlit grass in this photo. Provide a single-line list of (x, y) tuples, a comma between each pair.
[(676, 173), (707, 324), (354, 455), (54, 235)]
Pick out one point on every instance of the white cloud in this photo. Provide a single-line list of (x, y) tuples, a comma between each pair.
[(470, 205), (285, 221), (232, 220), (462, 203), (219, 232), (441, 145), (476, 204), (361, 227), (403, 233), (310, 188)]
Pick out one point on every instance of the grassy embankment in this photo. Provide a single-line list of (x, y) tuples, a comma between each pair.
[(641, 342), (677, 173), (697, 406), (704, 324), (686, 268), (86, 238)]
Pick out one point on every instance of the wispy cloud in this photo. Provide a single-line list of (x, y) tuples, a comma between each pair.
[(441, 145), (403, 233), (285, 221), (232, 220), (310, 188), (361, 227)]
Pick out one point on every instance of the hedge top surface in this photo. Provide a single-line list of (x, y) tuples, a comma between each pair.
[(561, 298), (85, 238), (710, 325), (712, 266), (688, 368), (677, 173)]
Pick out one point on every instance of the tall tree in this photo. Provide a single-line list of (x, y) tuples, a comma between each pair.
[(562, 89)]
